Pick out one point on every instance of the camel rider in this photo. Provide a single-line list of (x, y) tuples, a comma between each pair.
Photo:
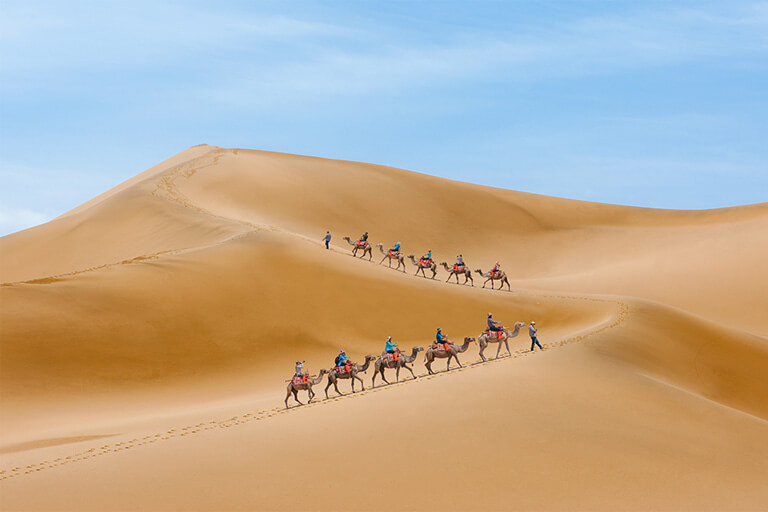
[(493, 325), (428, 256), (391, 347), (341, 359), (364, 238), (299, 368), (440, 337), (496, 269), (396, 247), (459, 261)]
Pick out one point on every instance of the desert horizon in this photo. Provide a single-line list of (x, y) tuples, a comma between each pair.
[(148, 336)]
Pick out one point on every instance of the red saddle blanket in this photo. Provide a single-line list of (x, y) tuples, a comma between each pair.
[(425, 263), (386, 356), (496, 273), (494, 335), (394, 253), (299, 380), (341, 370), (441, 346), (361, 243), (458, 268)]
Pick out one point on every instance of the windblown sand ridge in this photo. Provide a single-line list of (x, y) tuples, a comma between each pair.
[(182, 297)]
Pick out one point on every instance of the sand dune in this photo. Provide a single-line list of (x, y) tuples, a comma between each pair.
[(146, 336)]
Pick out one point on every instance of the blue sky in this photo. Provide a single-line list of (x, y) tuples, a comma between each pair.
[(659, 104)]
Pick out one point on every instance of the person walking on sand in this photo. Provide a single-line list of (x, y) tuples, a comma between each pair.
[(327, 239), (532, 334)]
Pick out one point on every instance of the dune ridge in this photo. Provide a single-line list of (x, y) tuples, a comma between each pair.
[(173, 306)]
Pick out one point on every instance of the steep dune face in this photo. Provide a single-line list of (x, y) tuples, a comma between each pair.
[(186, 294)]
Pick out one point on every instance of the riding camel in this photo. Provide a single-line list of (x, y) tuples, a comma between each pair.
[(501, 276), (461, 270), (365, 247), (432, 266), (295, 388), (381, 364), (453, 351), (334, 376), (398, 257), (484, 339)]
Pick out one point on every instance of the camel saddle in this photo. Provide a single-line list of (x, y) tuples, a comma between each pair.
[(494, 335), (457, 267), (361, 243), (495, 273), (394, 253), (391, 357), (300, 379), (425, 262), (441, 346), (341, 370)]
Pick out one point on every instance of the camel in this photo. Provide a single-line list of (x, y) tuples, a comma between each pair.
[(333, 376), (295, 388), (398, 257), (365, 248), (463, 270), (484, 339), (431, 354), (381, 364), (432, 266), (501, 276)]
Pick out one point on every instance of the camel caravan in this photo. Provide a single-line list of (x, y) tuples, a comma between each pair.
[(392, 358), (425, 264)]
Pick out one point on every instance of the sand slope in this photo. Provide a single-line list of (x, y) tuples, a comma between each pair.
[(147, 333)]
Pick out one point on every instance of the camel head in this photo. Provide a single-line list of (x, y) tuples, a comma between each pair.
[(323, 371), (519, 325), (469, 339), (419, 349)]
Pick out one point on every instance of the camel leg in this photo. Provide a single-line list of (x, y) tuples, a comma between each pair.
[(506, 344), (296, 396), (327, 386), (336, 387), (397, 374), (482, 349), (287, 396), (428, 365), (311, 395), (353, 383), (362, 384), (498, 349), (448, 366), (508, 286), (382, 260), (382, 375), (373, 379), (409, 369)]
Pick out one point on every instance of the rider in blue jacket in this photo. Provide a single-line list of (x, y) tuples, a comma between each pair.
[(391, 347), (341, 359), (493, 325), (440, 337)]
